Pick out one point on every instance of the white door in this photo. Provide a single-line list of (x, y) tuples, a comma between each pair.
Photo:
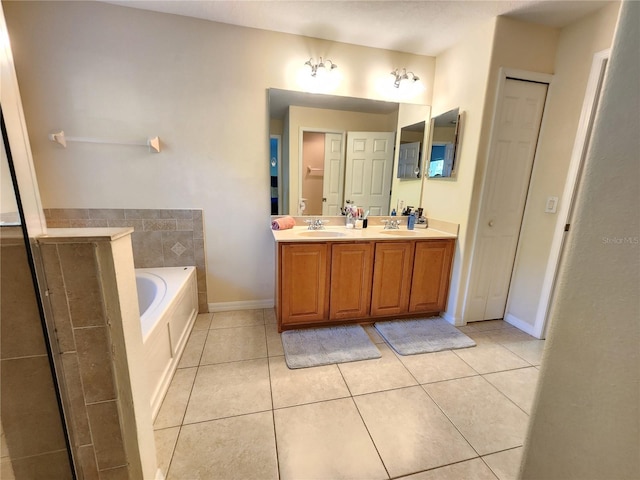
[(333, 185), (368, 170), (408, 158), (513, 147)]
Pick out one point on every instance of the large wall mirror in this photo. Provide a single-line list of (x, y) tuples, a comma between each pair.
[(445, 144), (327, 149)]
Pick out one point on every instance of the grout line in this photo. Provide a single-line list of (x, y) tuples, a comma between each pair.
[(370, 436)]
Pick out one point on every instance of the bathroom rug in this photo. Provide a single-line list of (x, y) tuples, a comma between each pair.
[(409, 337), (323, 346)]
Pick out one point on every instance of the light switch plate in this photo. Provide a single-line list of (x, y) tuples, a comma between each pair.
[(552, 205)]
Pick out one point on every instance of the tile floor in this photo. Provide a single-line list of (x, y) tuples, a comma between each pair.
[(235, 411)]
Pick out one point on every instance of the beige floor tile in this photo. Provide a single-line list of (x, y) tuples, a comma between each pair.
[(489, 358), (374, 335), (376, 375), (172, 410), (274, 341), (165, 443), (304, 385), (470, 470), (530, 350), (486, 418), (237, 318), (233, 344), (505, 465), (484, 325), (410, 432), (203, 321), (270, 316), (519, 385), (437, 366), (325, 440), (509, 334), (241, 448), (228, 389), (193, 349)]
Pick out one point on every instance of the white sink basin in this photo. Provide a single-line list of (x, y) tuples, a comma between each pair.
[(321, 233), (400, 233)]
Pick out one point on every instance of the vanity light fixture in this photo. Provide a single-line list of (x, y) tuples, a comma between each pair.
[(326, 66), (403, 76)]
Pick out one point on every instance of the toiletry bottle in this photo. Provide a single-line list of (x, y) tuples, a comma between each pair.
[(393, 212), (411, 221)]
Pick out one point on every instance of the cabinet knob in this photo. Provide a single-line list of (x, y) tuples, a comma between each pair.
[(491, 223)]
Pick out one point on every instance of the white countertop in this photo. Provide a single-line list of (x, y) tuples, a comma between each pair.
[(341, 233)]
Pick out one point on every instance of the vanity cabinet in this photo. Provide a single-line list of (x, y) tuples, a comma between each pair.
[(303, 280), (392, 278), (430, 276), (351, 269), (324, 283)]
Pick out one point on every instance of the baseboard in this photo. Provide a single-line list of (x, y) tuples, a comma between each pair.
[(520, 324), (244, 305)]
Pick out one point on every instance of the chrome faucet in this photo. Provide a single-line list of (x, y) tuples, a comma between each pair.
[(391, 224), (315, 224)]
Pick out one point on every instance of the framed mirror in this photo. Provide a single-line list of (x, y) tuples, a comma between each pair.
[(444, 145), (329, 125)]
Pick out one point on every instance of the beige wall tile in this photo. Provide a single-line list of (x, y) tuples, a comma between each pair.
[(86, 459), (94, 359), (58, 223), (137, 224), (176, 213), (83, 289), (147, 249), (88, 223), (107, 213), (50, 466), (121, 473), (20, 323), (169, 245), (30, 415), (107, 438), (183, 224), (135, 213), (80, 433), (68, 213), (159, 224)]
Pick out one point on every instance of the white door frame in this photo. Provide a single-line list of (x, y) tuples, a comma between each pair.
[(580, 147), (301, 132), (503, 75)]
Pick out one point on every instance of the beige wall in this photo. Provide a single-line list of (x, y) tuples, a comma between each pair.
[(586, 418), (461, 80), (576, 47), (106, 71)]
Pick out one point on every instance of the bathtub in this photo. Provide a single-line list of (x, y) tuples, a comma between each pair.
[(168, 303)]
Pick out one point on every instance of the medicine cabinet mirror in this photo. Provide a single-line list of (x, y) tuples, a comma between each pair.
[(411, 151), (445, 144)]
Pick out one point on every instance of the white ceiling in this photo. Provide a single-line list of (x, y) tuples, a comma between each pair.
[(423, 27)]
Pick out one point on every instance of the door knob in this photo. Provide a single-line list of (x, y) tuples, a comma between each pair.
[(491, 223)]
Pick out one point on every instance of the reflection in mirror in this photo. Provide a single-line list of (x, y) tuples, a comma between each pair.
[(445, 140), (313, 175), (410, 155), (8, 205)]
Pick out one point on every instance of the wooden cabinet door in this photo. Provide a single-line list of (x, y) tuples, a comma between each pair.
[(431, 272), (391, 278), (351, 270), (304, 282)]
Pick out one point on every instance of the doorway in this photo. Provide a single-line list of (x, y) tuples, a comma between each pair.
[(519, 110)]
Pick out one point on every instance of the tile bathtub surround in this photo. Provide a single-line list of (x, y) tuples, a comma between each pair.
[(161, 237), (433, 416), (32, 438), (90, 315)]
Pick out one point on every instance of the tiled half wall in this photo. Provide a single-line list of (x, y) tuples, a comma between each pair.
[(161, 237)]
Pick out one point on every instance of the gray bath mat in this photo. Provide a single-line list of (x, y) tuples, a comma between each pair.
[(324, 346), (408, 337)]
